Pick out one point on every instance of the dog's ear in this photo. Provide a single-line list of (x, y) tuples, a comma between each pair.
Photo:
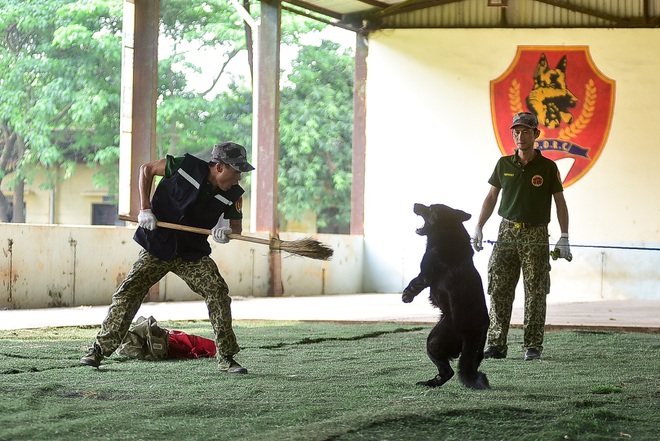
[(541, 67), (543, 63), (562, 64), (462, 215)]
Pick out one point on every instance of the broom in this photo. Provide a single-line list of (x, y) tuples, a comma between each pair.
[(306, 247)]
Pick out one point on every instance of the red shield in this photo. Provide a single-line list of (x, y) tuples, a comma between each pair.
[(572, 99)]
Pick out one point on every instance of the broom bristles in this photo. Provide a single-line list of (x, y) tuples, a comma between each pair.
[(306, 247)]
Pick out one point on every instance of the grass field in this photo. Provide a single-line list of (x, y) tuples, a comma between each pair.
[(322, 381)]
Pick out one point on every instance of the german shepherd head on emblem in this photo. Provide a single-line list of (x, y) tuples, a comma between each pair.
[(550, 98)]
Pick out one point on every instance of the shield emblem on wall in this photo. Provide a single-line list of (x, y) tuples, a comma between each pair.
[(571, 98)]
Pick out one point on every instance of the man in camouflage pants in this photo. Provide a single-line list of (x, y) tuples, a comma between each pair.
[(193, 192), (529, 182)]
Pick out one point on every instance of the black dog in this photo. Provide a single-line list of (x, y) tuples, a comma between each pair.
[(456, 289)]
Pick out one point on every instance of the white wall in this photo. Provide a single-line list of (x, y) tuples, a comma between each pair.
[(430, 139)]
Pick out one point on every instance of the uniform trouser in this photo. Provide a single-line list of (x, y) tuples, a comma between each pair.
[(202, 276), (518, 249)]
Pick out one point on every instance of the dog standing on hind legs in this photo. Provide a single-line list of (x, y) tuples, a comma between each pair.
[(456, 289)]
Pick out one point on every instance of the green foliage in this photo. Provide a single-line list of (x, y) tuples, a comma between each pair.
[(60, 66), (296, 28), (190, 120), (59, 93), (316, 136), (211, 23), (315, 140)]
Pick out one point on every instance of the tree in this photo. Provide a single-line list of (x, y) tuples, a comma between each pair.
[(316, 137), (60, 88), (60, 64), (315, 147), (190, 117), (59, 92)]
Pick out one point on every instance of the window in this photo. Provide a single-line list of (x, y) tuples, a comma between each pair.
[(105, 214)]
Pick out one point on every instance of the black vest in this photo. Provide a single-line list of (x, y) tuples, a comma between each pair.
[(176, 200)]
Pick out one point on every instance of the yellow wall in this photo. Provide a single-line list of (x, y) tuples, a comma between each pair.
[(430, 139), (73, 198)]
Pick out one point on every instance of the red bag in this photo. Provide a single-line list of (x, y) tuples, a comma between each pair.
[(182, 345)]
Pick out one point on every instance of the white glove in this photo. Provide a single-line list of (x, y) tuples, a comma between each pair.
[(563, 247), (147, 220), (477, 238), (221, 230), (220, 234)]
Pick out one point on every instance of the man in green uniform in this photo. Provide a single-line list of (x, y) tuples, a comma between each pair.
[(196, 193), (528, 182)]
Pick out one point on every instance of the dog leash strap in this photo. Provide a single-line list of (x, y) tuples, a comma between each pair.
[(612, 247)]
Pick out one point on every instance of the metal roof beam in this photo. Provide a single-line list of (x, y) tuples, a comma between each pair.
[(410, 6), (341, 21), (564, 4), (314, 8)]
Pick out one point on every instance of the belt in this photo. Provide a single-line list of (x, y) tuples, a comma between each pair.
[(522, 225)]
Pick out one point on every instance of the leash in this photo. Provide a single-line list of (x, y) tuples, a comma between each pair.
[(611, 247), (555, 253)]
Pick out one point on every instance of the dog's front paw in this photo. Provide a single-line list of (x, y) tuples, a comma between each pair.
[(408, 295), (436, 381)]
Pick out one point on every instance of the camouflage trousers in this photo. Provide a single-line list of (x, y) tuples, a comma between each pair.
[(202, 276), (518, 249)]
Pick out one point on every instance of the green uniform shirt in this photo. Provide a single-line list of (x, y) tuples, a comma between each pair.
[(207, 191), (526, 191)]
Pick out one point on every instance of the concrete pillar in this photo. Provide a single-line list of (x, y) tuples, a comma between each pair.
[(359, 135), (139, 83), (266, 133), (138, 94)]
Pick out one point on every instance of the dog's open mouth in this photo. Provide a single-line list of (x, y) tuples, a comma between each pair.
[(421, 229), (421, 211)]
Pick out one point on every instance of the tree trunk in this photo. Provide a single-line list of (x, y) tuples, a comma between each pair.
[(19, 201), (248, 39), (4, 208)]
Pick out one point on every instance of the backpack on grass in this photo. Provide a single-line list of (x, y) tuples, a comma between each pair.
[(145, 341)]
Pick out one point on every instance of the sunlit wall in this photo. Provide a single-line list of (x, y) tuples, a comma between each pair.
[(430, 139)]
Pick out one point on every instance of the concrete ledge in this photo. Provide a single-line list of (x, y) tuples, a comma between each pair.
[(623, 315)]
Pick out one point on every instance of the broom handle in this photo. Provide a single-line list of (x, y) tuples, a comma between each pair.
[(198, 230)]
